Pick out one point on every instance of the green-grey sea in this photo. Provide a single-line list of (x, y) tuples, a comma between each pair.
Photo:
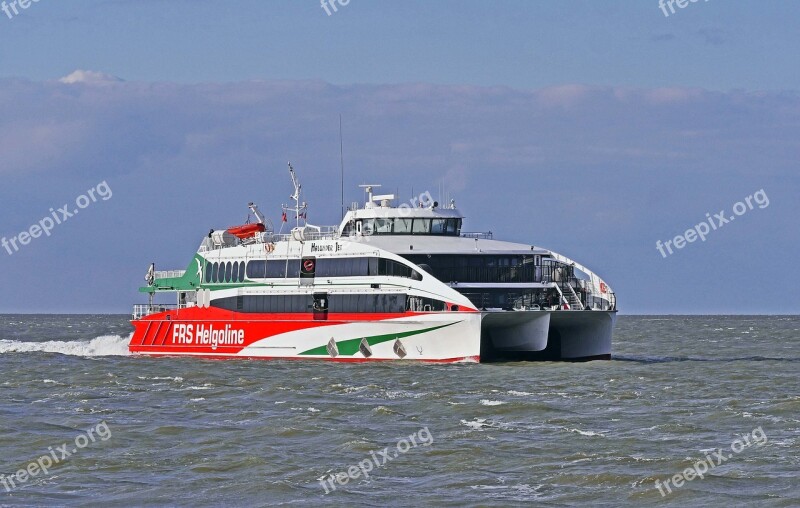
[(188, 432)]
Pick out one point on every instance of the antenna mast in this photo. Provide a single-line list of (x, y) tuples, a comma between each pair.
[(299, 208), (341, 160)]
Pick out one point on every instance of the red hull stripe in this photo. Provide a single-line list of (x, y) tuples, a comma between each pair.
[(204, 331), (475, 359)]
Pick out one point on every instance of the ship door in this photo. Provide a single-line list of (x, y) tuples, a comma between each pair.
[(320, 306)]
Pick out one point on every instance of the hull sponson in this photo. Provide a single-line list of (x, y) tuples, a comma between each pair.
[(217, 333), (547, 335)]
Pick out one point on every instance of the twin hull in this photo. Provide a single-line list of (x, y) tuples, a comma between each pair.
[(429, 336)]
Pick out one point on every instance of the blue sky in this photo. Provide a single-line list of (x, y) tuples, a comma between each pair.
[(595, 129)]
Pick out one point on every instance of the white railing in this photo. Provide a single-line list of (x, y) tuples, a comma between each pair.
[(324, 233), (169, 274), (479, 235), (144, 310)]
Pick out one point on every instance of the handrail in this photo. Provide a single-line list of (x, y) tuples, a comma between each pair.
[(478, 235), (575, 295), (563, 299), (143, 310), (169, 274)]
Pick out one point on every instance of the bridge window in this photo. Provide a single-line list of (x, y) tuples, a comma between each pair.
[(348, 229), (454, 227), (402, 226), (439, 226), (421, 226), (368, 227), (383, 226)]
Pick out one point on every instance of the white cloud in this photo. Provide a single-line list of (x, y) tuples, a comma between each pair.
[(89, 77)]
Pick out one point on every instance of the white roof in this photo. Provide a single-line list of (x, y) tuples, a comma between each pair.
[(440, 244)]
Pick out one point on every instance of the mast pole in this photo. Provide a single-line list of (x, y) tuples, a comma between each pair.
[(341, 160)]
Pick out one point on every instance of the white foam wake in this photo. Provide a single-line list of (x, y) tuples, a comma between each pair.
[(106, 345)]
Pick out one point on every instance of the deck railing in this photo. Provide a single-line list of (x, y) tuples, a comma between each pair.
[(143, 310), (169, 274), (478, 235)]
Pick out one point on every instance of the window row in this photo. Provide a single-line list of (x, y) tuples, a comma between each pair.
[(492, 268), (404, 226), (330, 267), (359, 303), (296, 304), (274, 269), (224, 272)]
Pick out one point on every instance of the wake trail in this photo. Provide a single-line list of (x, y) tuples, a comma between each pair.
[(105, 345)]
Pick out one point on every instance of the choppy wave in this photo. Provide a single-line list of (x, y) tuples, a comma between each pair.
[(105, 345)]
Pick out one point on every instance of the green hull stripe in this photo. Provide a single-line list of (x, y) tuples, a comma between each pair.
[(350, 347)]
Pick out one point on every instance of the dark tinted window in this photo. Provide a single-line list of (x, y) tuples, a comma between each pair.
[(215, 273), (228, 272), (372, 303), (393, 268), (235, 272), (209, 268), (453, 226), (485, 268), (266, 304), (272, 269), (342, 267), (276, 269), (256, 269), (439, 226)]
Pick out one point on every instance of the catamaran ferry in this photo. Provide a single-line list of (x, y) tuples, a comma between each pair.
[(391, 282)]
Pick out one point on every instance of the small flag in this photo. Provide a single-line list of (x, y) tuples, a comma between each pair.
[(283, 217)]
